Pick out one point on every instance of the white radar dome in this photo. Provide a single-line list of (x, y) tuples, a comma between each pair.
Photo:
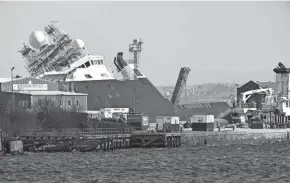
[(78, 44), (37, 39), (63, 32)]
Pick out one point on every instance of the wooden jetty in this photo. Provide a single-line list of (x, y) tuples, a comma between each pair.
[(99, 139), (143, 139)]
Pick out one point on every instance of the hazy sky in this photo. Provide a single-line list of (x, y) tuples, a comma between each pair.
[(220, 41)]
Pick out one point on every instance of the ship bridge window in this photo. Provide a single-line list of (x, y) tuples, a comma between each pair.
[(88, 76), (137, 72), (83, 66), (104, 75), (87, 64), (94, 62), (101, 62)]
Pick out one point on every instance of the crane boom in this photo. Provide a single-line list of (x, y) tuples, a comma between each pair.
[(248, 94), (180, 84)]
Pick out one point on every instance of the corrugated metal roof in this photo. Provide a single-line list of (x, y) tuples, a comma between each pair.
[(49, 93), (214, 108), (4, 80)]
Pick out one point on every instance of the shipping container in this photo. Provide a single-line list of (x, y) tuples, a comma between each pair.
[(160, 120), (168, 121), (202, 126), (169, 128), (202, 118), (152, 126), (113, 112), (138, 121)]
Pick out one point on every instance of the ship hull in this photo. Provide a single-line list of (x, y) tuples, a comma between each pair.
[(119, 94)]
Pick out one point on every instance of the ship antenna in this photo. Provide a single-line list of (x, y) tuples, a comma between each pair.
[(54, 21), (136, 49)]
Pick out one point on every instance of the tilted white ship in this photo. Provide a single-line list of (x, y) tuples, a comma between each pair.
[(54, 55)]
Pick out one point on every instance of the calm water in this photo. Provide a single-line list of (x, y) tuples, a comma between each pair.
[(263, 163)]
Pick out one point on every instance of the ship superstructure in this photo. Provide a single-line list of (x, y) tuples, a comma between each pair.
[(52, 54)]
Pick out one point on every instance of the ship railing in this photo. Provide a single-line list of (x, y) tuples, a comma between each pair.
[(78, 132)]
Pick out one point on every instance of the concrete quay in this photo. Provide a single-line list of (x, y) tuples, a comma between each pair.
[(239, 136)]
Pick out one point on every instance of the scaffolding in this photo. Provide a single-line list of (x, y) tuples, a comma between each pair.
[(55, 56)]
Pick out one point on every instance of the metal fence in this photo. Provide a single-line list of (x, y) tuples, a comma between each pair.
[(78, 132)]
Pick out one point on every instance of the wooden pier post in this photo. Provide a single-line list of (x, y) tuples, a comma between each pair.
[(165, 141), (174, 141), (129, 142), (101, 145), (105, 145), (112, 144), (119, 143), (177, 142), (124, 142), (170, 141), (115, 142), (108, 144)]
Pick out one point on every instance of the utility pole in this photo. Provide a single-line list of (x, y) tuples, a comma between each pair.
[(136, 49), (12, 69)]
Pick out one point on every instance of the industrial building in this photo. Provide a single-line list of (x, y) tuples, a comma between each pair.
[(23, 100), (257, 97), (29, 91)]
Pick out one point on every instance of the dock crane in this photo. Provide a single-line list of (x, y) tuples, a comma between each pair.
[(180, 85), (248, 94)]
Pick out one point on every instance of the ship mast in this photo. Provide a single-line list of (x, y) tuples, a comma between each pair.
[(136, 49)]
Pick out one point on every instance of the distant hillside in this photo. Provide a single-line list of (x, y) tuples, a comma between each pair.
[(203, 92)]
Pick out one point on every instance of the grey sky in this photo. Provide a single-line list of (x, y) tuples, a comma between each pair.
[(220, 41)]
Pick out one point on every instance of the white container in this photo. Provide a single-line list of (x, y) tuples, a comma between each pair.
[(160, 120), (152, 126), (175, 120), (145, 121), (202, 118)]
